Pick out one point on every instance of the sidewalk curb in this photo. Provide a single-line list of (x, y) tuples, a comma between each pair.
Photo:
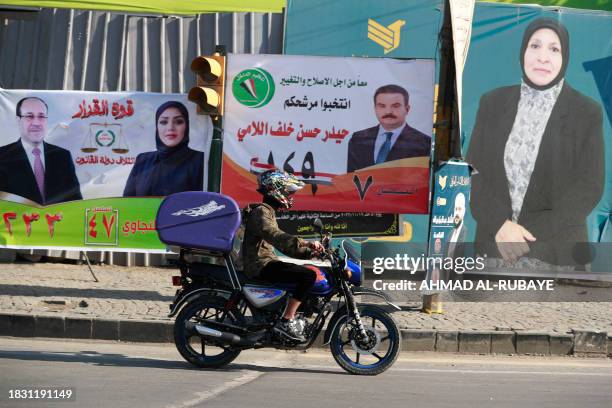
[(591, 343), (580, 342), (533, 343)]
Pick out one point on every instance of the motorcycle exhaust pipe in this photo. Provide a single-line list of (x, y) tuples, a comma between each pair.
[(220, 336)]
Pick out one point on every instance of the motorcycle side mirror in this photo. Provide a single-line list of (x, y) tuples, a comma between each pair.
[(317, 224)]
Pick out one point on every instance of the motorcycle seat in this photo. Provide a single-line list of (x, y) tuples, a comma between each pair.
[(245, 280), (220, 273)]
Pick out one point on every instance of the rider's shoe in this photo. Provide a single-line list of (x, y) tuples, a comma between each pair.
[(290, 329)]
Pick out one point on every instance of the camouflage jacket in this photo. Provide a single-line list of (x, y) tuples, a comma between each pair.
[(262, 235)]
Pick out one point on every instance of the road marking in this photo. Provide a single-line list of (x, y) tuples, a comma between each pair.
[(203, 396)]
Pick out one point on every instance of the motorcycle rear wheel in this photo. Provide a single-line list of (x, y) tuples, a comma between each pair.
[(365, 356), (195, 349)]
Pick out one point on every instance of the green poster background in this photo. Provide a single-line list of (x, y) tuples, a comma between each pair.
[(117, 224)]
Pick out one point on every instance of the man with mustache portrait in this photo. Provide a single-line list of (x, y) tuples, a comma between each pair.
[(392, 138)]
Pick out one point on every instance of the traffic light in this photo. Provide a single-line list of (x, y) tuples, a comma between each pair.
[(209, 93)]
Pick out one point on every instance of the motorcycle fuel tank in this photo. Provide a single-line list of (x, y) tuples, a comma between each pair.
[(322, 285), (261, 296)]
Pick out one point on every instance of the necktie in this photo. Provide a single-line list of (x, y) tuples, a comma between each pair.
[(39, 172), (385, 149)]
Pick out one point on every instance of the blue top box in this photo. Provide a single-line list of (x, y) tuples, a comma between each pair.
[(198, 220)]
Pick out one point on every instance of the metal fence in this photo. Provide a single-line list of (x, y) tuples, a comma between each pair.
[(103, 51)]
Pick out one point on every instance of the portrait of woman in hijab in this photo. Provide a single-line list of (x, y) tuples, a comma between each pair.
[(539, 150), (173, 167)]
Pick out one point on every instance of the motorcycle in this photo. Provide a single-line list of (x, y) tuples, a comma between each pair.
[(220, 312)]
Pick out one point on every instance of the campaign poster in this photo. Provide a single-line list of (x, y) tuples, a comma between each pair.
[(357, 131), (537, 127), (87, 170), (448, 234)]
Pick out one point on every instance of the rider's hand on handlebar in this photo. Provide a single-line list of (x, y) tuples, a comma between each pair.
[(316, 248), (325, 241)]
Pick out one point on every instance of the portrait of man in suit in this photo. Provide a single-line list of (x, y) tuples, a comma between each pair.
[(32, 168), (459, 233), (392, 138)]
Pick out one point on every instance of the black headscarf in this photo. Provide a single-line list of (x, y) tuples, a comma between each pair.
[(163, 151), (561, 31), (167, 170), (167, 159)]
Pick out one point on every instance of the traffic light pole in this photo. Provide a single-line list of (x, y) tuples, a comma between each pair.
[(216, 148), (209, 95), (216, 155)]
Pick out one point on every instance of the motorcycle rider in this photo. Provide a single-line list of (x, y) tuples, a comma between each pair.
[(262, 235)]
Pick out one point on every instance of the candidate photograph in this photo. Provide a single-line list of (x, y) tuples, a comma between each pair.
[(539, 149), (173, 167), (33, 168), (392, 138)]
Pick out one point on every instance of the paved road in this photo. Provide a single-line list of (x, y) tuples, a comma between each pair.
[(127, 375)]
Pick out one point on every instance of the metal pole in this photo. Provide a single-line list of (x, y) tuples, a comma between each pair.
[(216, 149), (216, 155), (89, 266)]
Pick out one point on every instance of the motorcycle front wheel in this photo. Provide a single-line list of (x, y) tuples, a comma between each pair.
[(369, 355), (193, 347)]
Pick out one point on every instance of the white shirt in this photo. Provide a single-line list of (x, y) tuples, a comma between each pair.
[(381, 138), (28, 147)]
